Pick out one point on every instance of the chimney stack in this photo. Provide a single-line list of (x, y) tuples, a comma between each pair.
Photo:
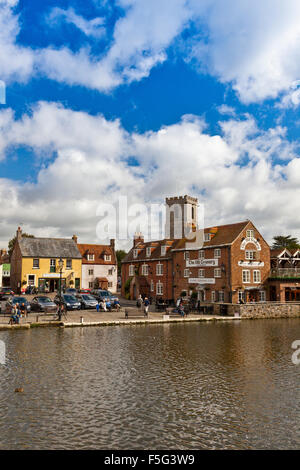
[(75, 238), (112, 243), (19, 233), (138, 237)]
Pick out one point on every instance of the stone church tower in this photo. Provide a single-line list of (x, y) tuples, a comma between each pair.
[(181, 216)]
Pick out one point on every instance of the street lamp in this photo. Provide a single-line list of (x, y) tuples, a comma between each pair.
[(60, 265)]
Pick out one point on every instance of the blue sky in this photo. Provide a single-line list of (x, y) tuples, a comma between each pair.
[(148, 99)]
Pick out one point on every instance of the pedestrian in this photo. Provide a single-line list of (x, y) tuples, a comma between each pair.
[(146, 306), (181, 309), (139, 301), (23, 310)]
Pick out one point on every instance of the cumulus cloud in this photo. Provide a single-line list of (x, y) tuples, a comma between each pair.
[(238, 174), (252, 45)]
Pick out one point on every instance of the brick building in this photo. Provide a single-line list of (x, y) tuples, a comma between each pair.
[(233, 263)]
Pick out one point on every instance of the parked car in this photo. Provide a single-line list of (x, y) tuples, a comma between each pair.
[(16, 300), (42, 303), (102, 294), (87, 300), (69, 301), (71, 291), (5, 292), (84, 291)]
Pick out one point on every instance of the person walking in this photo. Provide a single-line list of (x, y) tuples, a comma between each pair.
[(146, 306), (139, 302)]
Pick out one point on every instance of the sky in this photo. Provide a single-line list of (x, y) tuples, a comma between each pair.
[(102, 99)]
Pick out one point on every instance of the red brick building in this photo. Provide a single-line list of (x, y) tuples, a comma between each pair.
[(233, 264)]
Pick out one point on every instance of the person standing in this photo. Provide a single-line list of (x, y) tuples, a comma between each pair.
[(139, 301), (146, 306)]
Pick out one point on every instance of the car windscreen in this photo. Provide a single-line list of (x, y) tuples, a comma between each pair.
[(44, 300), (19, 300), (88, 297), (70, 298)]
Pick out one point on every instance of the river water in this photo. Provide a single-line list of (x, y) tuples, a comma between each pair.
[(223, 385)]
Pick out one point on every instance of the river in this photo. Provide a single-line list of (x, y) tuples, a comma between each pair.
[(220, 385)]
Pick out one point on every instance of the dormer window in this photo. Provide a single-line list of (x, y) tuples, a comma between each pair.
[(107, 257), (90, 257), (135, 253), (148, 251), (207, 237), (163, 250)]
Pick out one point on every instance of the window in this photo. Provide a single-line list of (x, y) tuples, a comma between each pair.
[(256, 276), (217, 272), (52, 265), (163, 250), (221, 296), (144, 270), (262, 295), (250, 233), (186, 255), (148, 251), (131, 270), (201, 272), (91, 285), (110, 272), (135, 253), (250, 255), (213, 296), (91, 272), (186, 272), (107, 257), (201, 254), (36, 263), (217, 253), (110, 284), (246, 275), (159, 269), (90, 257), (207, 237), (69, 264), (31, 279), (159, 288), (151, 285)]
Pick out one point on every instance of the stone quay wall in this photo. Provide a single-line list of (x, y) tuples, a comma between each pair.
[(269, 310)]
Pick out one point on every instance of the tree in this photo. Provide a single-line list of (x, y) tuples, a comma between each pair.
[(120, 255), (11, 242), (289, 242)]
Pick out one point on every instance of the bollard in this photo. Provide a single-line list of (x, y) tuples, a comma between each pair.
[(81, 320)]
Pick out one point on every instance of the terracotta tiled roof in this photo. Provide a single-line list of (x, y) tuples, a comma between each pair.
[(224, 234), (220, 235), (278, 251), (98, 251)]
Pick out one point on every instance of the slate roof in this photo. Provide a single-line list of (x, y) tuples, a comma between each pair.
[(49, 248)]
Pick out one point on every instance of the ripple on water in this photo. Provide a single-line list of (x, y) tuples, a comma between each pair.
[(192, 386)]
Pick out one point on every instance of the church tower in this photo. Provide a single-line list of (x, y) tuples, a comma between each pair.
[(181, 216)]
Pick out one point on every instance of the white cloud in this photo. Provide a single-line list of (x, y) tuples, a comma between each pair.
[(253, 45), (237, 174), (92, 27)]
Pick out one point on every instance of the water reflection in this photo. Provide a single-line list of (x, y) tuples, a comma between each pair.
[(193, 386)]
